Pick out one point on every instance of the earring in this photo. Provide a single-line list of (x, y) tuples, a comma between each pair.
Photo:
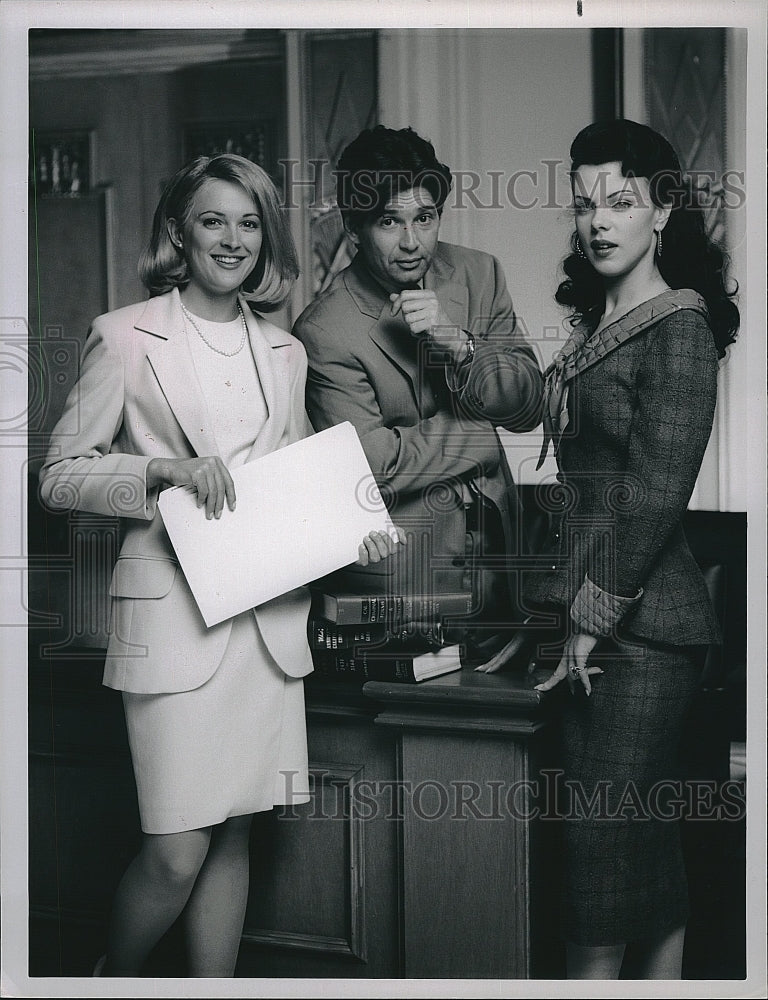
[(580, 249), (658, 243)]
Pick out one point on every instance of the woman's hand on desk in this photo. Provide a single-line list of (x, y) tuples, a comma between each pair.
[(519, 650), (209, 476), (573, 665), (505, 655), (378, 545)]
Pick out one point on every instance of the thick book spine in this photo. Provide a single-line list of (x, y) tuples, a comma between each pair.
[(375, 609), (328, 636), (394, 668)]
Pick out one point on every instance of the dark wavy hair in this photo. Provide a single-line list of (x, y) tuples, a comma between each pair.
[(690, 258), (378, 164), (162, 265)]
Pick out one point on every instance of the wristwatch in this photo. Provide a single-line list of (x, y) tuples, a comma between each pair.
[(470, 349)]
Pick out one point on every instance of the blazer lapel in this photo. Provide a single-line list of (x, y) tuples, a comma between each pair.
[(394, 337), (171, 361), (269, 346), (391, 333), (452, 295)]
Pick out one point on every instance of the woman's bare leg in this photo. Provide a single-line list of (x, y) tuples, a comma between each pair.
[(594, 962), (151, 895), (216, 909), (663, 958)]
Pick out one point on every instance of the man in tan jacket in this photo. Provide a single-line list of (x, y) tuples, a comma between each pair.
[(416, 343)]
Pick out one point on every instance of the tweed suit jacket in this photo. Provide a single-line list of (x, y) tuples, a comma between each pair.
[(424, 435), (137, 398), (639, 418)]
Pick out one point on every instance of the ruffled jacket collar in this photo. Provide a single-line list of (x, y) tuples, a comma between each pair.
[(583, 349)]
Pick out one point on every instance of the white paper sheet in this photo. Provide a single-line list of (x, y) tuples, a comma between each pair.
[(301, 512)]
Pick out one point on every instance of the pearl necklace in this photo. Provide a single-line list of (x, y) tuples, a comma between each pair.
[(226, 354)]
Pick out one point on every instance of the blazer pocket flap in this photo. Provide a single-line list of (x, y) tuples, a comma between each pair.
[(136, 577)]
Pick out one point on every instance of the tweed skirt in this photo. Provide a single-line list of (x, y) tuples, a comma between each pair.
[(233, 746), (625, 877)]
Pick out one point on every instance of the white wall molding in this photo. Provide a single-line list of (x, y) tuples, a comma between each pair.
[(146, 51)]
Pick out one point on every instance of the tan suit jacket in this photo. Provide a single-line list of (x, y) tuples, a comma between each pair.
[(138, 398), (424, 441)]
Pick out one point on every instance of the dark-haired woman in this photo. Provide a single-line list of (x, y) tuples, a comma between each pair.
[(629, 406), (178, 390)]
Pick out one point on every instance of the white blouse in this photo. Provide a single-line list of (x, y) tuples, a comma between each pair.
[(230, 385)]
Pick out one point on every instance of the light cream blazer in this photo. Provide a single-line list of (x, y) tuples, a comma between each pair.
[(138, 398)]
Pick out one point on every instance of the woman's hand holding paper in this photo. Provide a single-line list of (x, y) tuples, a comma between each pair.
[(378, 545)]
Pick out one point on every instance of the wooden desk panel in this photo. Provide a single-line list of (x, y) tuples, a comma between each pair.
[(479, 866)]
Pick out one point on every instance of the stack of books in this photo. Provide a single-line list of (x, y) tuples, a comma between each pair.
[(370, 636)]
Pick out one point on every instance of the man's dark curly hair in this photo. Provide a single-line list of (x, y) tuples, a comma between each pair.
[(381, 162)]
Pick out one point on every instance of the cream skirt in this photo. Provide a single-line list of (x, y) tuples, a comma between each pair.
[(233, 746)]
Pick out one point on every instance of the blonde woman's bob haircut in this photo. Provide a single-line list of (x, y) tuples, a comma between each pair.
[(162, 265)]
